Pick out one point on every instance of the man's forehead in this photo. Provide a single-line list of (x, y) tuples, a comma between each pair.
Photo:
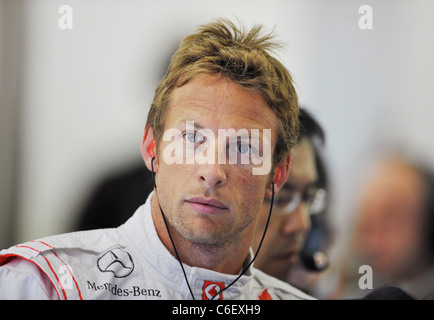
[(221, 100)]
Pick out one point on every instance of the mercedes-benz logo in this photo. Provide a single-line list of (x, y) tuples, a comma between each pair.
[(116, 261)]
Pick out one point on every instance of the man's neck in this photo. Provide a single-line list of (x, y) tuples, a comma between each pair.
[(227, 258)]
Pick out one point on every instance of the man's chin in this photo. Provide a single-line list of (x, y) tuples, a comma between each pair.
[(205, 238)]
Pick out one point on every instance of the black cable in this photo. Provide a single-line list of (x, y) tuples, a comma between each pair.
[(170, 236)]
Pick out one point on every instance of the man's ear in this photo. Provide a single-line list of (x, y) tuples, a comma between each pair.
[(149, 149), (280, 174)]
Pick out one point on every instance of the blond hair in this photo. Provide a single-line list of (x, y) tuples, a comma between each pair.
[(243, 57)]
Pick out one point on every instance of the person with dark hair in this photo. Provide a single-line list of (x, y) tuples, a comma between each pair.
[(298, 228)]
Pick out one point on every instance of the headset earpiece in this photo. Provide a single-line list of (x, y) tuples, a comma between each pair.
[(277, 175), (151, 149)]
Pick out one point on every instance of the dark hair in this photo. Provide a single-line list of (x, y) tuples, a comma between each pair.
[(309, 127), (318, 236), (312, 130)]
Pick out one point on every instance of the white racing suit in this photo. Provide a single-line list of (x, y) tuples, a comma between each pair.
[(128, 262)]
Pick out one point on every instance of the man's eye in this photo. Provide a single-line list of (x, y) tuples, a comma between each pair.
[(243, 148), (193, 137)]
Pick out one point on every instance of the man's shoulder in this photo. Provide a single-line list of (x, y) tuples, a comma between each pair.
[(20, 279), (90, 241), (278, 289), (43, 265)]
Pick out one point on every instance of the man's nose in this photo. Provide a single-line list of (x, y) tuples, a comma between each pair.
[(213, 175)]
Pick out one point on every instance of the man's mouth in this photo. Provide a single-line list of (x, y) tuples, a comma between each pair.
[(204, 205)]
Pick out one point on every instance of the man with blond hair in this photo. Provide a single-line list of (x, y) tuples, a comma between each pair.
[(224, 104)]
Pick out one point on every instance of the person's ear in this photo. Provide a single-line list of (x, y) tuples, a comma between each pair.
[(149, 149), (280, 174)]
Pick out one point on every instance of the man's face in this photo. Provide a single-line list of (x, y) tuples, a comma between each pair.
[(212, 203), (287, 229)]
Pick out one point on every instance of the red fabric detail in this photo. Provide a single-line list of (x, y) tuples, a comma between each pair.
[(264, 295)]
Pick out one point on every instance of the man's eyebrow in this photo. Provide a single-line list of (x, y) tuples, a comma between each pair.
[(184, 121)]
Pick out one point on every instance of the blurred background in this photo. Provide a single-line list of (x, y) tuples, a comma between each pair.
[(74, 101)]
